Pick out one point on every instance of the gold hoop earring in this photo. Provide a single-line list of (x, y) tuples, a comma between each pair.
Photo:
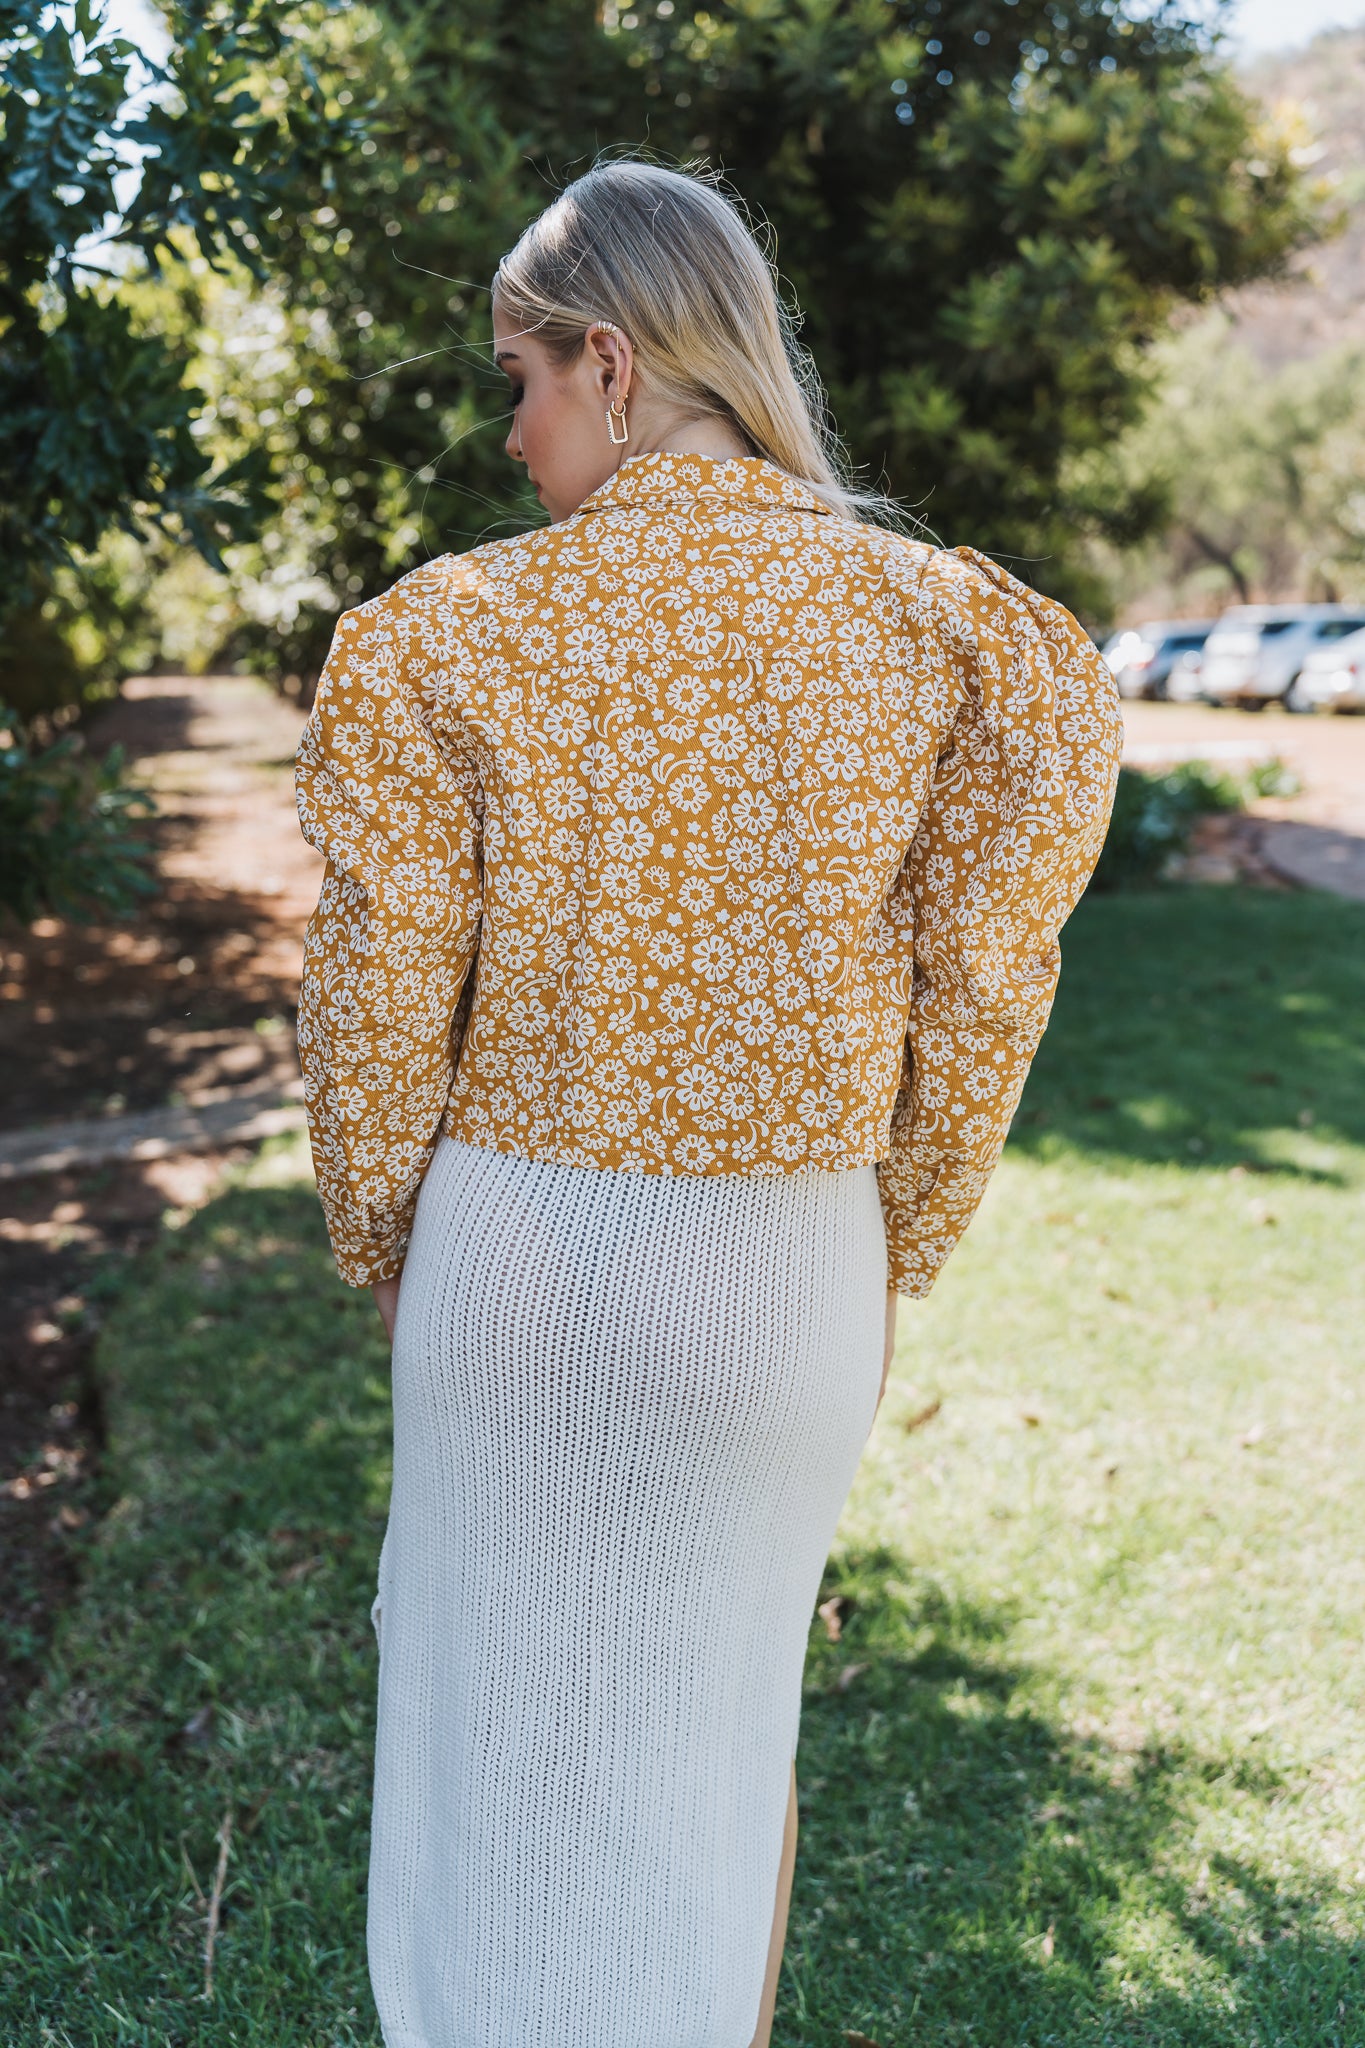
[(616, 416)]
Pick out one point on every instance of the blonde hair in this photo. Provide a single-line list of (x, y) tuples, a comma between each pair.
[(671, 258)]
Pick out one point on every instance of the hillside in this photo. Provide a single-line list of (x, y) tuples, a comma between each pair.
[(1257, 429), (1319, 93)]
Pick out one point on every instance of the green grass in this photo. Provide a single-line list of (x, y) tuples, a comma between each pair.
[(1099, 1776)]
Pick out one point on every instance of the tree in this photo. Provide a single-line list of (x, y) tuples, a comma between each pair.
[(1260, 472), (987, 211), (97, 421)]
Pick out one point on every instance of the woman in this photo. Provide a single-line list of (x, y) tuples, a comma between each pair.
[(695, 869)]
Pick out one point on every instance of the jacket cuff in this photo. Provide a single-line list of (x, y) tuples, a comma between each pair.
[(359, 1270), (364, 1256), (913, 1265)]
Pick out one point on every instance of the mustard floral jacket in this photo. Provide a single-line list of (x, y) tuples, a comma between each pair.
[(704, 832)]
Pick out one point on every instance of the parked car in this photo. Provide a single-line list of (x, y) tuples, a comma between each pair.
[(1255, 651), (1185, 683), (1332, 678), (1142, 657)]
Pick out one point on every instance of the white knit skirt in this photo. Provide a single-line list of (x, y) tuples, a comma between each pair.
[(628, 1409)]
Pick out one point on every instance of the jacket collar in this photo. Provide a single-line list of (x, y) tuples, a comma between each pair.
[(652, 480)]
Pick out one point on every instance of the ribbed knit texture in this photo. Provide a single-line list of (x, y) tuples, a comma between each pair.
[(627, 1412)]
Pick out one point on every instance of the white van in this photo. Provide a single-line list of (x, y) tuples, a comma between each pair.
[(1255, 651)]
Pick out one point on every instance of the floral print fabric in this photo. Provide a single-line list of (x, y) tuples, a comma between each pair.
[(704, 832)]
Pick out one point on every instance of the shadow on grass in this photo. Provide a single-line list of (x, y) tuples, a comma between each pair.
[(219, 1662), (970, 1871), (1198, 1026)]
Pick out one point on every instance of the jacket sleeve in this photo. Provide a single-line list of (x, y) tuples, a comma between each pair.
[(1009, 835), (390, 945)]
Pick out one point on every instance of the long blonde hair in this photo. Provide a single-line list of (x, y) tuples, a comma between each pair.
[(672, 260)]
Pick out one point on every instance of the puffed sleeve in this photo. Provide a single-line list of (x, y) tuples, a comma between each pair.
[(390, 945), (1008, 838)]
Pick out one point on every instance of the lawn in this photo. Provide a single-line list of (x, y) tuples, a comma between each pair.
[(1084, 1764)]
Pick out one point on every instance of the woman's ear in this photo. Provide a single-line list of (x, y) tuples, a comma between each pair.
[(612, 361)]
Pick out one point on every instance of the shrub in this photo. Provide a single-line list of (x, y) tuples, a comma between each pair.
[(1154, 815), (66, 846), (82, 629)]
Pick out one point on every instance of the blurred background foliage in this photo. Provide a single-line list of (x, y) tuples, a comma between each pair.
[(114, 166), (252, 386), (67, 840), (1262, 471)]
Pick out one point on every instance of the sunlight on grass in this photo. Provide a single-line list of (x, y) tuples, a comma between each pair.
[(1100, 1776), (1082, 1762), (220, 1659), (1110, 1604)]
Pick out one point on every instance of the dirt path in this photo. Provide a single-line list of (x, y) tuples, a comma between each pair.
[(198, 991), (162, 1024)]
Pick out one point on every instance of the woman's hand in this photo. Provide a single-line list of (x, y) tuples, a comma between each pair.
[(892, 1304), (385, 1294)]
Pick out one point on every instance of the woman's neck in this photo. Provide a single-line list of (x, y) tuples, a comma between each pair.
[(712, 437)]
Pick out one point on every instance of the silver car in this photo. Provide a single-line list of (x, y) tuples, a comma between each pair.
[(1185, 683), (1142, 657), (1332, 678), (1255, 651)]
